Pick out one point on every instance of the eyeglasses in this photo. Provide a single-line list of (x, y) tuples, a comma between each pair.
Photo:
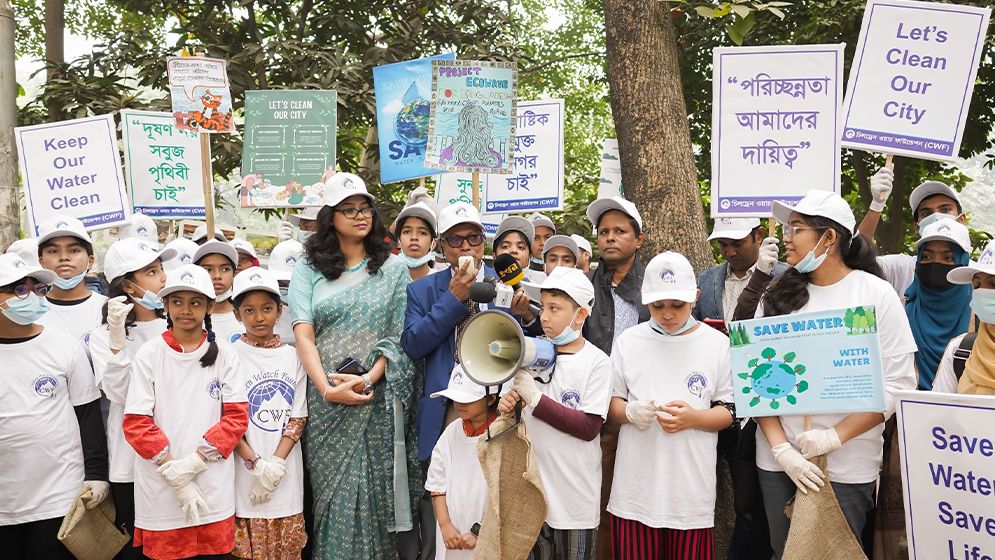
[(456, 241), (791, 231), (22, 290), (353, 213)]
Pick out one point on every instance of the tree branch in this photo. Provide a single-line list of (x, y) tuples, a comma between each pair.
[(254, 33)]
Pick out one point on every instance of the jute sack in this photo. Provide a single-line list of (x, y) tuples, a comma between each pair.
[(516, 504), (819, 530), (91, 534)]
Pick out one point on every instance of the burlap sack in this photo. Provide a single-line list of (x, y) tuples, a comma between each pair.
[(91, 534), (516, 504), (819, 530)]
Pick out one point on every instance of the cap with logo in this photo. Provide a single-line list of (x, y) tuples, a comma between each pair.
[(419, 210), (61, 225), (200, 233), (928, 189), (733, 228), (825, 204), (542, 220), (284, 257), (185, 250), (309, 213), (243, 246), (141, 226), (456, 214), (188, 278), (255, 278), (669, 276), (27, 249), (561, 241), (985, 265), (341, 186), (216, 248), (949, 230), (574, 282), (461, 388), (582, 243), (515, 223), (131, 254), (13, 269), (604, 204)]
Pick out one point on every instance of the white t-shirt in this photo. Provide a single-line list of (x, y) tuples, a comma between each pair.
[(285, 327), (859, 460), (77, 319), (226, 327), (946, 378), (276, 386), (899, 271), (41, 455), (455, 470), (571, 467), (185, 400), (113, 376), (661, 479)]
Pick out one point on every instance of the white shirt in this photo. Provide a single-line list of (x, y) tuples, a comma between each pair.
[(112, 373), (859, 460), (899, 271), (77, 319), (285, 327), (275, 384), (226, 327), (455, 470), (732, 289), (946, 378), (571, 467), (41, 455), (184, 399), (668, 480)]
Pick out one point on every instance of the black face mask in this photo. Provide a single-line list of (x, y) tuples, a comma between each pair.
[(934, 275)]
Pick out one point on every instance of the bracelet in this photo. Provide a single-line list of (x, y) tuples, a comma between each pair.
[(367, 382), (325, 392)]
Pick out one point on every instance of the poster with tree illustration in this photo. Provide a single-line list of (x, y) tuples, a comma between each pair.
[(823, 362)]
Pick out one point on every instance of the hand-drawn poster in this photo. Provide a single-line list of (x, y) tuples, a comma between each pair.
[(200, 95)]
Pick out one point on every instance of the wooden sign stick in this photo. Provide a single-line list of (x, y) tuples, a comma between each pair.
[(208, 177)]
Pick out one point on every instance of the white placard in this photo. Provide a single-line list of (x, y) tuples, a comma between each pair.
[(610, 182), (451, 188)]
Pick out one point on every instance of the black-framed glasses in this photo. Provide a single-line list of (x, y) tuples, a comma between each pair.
[(456, 241), (353, 213), (22, 290)]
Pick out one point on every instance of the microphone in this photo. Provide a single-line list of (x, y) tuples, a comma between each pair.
[(510, 274), (486, 292)]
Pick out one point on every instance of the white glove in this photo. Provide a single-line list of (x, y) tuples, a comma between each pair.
[(98, 492), (180, 472), (803, 473), (525, 386), (881, 185), (641, 413), (266, 477), (285, 232), (768, 255), (117, 316), (818, 442), (191, 500)]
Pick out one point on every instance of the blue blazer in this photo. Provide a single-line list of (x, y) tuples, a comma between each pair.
[(712, 282)]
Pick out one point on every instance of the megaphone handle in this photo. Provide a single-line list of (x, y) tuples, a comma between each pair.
[(518, 411)]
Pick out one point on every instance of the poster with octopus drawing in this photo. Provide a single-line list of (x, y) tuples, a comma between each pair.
[(472, 119), (199, 92), (288, 147)]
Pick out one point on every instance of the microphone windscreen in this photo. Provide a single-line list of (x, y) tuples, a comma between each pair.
[(508, 270), (482, 292)]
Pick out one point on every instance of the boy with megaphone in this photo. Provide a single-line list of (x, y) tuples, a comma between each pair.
[(564, 412)]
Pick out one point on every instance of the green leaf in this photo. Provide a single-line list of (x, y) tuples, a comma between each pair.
[(755, 401), (723, 9), (774, 405), (741, 11), (776, 12), (789, 357), (743, 375), (791, 399), (741, 28), (768, 353), (705, 11), (753, 362), (800, 369), (746, 390), (802, 386)]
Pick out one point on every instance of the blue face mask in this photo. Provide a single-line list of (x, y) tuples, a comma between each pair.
[(69, 283), (983, 304), (568, 334), (149, 301), (302, 235), (412, 262), (536, 261), (26, 311), (691, 322), (810, 262), (283, 294), (932, 219)]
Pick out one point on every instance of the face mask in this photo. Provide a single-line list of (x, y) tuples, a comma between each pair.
[(412, 262), (568, 334), (810, 262), (934, 275), (302, 235), (149, 300), (26, 311), (983, 304), (223, 296), (691, 322), (538, 262), (932, 219), (283, 294), (69, 283)]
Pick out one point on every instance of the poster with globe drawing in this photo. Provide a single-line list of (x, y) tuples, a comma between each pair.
[(403, 91), (823, 362), (471, 123)]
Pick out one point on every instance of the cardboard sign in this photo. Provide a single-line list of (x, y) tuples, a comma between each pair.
[(73, 168), (775, 126), (912, 78), (471, 123), (403, 92), (824, 362), (198, 89), (289, 147), (456, 187), (948, 474), (162, 165)]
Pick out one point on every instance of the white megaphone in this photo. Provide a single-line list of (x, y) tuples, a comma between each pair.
[(493, 348)]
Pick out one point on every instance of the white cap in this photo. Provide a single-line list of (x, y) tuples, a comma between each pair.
[(216, 248), (582, 243), (131, 254), (519, 224), (985, 265), (733, 228), (61, 225), (669, 276), (825, 204), (419, 210), (950, 231), (343, 185), (13, 268), (201, 233), (255, 278), (574, 282), (561, 241), (243, 246), (542, 220), (27, 249), (188, 278), (461, 388), (456, 214), (284, 257), (604, 204), (928, 189), (309, 213), (141, 226), (185, 250)]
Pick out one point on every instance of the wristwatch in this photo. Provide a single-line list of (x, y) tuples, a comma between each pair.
[(475, 529), (251, 463), (367, 382)]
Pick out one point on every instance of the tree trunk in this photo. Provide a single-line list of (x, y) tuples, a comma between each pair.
[(10, 211), (55, 52), (890, 236), (647, 102)]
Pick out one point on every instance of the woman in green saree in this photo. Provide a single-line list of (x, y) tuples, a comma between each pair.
[(347, 297)]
